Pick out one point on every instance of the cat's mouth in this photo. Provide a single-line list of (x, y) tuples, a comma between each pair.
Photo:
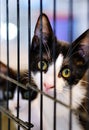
[(49, 89)]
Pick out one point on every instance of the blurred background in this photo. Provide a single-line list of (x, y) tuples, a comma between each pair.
[(80, 24)]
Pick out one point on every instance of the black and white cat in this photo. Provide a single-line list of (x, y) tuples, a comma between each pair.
[(12, 93), (23, 107), (71, 66)]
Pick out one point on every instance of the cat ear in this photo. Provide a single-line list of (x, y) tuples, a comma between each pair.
[(46, 31), (46, 26), (81, 45), (4, 70)]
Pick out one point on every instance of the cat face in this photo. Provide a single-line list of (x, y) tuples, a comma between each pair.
[(23, 105), (71, 63), (12, 99), (12, 93)]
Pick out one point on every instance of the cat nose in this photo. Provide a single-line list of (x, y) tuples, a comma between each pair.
[(48, 86)]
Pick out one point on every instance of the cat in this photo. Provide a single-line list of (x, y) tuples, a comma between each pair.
[(24, 104), (71, 66), (23, 97), (23, 107)]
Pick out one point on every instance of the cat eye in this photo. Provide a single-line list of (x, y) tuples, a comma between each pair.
[(8, 95), (25, 95), (44, 65), (66, 73)]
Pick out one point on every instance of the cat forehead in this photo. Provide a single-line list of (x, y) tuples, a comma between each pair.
[(58, 64), (59, 60)]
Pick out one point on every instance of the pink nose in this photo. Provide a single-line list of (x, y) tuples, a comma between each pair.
[(48, 86)]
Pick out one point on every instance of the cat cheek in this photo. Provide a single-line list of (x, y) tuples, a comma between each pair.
[(11, 107), (59, 85), (36, 78)]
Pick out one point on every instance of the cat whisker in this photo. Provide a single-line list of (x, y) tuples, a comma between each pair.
[(85, 81), (86, 97), (73, 54), (63, 93), (58, 91), (71, 49), (82, 106)]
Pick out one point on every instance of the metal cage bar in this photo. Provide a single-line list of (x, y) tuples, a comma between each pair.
[(28, 87), (0, 70), (7, 40), (18, 55), (29, 72), (70, 39), (87, 124), (54, 51), (41, 76)]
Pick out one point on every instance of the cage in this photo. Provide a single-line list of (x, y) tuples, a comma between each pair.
[(18, 20)]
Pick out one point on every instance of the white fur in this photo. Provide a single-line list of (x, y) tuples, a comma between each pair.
[(63, 93), (23, 110)]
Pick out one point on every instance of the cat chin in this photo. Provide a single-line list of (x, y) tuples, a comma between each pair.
[(78, 93)]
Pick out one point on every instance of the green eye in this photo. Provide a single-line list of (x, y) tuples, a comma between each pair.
[(26, 95), (66, 73), (44, 65), (8, 95)]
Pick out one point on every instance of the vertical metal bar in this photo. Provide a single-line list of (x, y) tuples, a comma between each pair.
[(41, 82), (54, 51), (87, 124), (7, 40), (29, 72), (70, 40), (18, 56), (7, 32), (0, 65)]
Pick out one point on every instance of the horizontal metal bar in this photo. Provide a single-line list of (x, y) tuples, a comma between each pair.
[(85, 116), (29, 86), (12, 80), (21, 123)]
